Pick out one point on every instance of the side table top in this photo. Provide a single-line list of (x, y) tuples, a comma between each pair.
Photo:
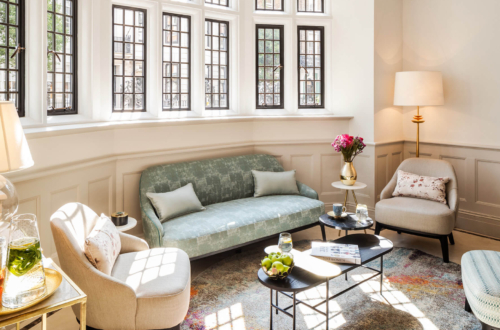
[(348, 223), (131, 224), (356, 186), (310, 272)]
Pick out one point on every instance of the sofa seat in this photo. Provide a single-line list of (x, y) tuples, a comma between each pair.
[(416, 214), (231, 223), (480, 272), (161, 280)]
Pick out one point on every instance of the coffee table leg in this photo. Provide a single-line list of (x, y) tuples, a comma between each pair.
[(271, 305), (323, 232), (381, 272), (327, 303), (294, 308), (276, 301)]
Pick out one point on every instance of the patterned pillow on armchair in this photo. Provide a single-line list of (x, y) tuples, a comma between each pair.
[(424, 187)]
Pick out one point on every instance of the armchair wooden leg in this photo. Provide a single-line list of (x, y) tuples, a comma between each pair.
[(452, 240), (467, 306), (378, 228), (444, 248)]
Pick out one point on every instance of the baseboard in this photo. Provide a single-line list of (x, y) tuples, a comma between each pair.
[(479, 223)]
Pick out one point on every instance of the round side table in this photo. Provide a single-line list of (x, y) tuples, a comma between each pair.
[(356, 186), (131, 224)]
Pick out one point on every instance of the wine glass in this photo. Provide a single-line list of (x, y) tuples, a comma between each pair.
[(285, 243)]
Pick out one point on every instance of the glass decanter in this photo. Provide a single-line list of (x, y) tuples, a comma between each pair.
[(25, 275)]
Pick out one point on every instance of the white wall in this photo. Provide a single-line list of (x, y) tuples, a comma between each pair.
[(460, 39)]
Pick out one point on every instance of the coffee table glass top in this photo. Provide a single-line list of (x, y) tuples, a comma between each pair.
[(347, 223), (309, 271)]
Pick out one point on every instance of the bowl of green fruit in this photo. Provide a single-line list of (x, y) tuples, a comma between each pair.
[(277, 266)]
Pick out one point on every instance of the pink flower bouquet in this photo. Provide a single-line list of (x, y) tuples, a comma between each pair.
[(349, 146)]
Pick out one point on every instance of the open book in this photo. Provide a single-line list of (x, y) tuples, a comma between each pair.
[(339, 253)]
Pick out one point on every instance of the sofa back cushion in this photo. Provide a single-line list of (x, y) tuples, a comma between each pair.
[(214, 180)]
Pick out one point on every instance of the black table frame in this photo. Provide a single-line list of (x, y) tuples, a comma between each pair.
[(328, 298)]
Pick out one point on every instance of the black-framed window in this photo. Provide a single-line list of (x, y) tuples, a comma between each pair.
[(224, 3), (311, 66), (129, 59), (273, 5), (216, 64), (270, 60), (12, 61), (61, 57), (311, 6), (176, 62)]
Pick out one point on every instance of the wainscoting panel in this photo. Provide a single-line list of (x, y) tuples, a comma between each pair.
[(488, 183), (389, 157), (303, 164), (100, 194), (460, 166)]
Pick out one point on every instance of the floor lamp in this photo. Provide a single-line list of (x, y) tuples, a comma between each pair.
[(418, 88)]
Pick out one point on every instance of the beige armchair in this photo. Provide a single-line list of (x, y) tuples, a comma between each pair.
[(147, 289), (418, 216)]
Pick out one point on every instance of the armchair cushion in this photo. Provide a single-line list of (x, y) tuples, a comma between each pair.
[(161, 281), (417, 186), (416, 214), (103, 245)]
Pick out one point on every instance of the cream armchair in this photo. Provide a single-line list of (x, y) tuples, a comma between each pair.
[(147, 289), (418, 216)]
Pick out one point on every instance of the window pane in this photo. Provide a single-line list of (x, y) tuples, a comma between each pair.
[(273, 5), (216, 66), (269, 94), (129, 54), (218, 2), (311, 84), (61, 73), (11, 64), (313, 6)]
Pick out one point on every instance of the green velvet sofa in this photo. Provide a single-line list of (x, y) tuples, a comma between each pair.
[(233, 217)]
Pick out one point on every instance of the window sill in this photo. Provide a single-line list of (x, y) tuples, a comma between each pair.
[(37, 132)]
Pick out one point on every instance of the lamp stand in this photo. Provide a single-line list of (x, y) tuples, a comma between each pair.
[(418, 119)]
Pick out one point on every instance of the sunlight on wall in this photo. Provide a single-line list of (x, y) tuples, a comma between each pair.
[(226, 319)]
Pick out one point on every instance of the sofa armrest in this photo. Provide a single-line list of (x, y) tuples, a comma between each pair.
[(153, 230), (307, 191), (132, 243)]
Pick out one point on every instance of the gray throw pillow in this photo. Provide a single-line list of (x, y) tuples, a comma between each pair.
[(175, 203), (274, 183)]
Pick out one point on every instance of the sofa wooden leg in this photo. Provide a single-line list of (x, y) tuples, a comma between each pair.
[(88, 327), (177, 327), (399, 233), (452, 240), (378, 228), (444, 248), (467, 306)]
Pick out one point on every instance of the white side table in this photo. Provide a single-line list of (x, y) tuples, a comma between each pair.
[(131, 224), (356, 186)]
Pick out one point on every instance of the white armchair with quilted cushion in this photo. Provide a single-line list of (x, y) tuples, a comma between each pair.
[(147, 288), (420, 216)]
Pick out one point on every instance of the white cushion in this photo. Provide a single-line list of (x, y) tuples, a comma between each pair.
[(103, 245), (275, 183), (175, 203), (424, 187)]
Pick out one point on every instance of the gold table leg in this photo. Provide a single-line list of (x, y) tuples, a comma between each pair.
[(18, 326), (44, 322), (83, 316)]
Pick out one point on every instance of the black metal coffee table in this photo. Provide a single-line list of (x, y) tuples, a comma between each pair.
[(310, 272), (347, 223)]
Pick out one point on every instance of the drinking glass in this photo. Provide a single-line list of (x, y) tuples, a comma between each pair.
[(25, 275), (285, 243), (362, 212)]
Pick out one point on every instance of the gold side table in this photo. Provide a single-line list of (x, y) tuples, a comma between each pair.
[(357, 186), (68, 294)]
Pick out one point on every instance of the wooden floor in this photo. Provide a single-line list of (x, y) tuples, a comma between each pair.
[(65, 319)]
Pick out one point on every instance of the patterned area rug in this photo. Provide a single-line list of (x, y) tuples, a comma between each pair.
[(420, 292)]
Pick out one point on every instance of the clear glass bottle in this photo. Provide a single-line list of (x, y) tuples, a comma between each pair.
[(25, 275)]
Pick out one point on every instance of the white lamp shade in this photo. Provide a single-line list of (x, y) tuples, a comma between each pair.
[(14, 150), (419, 88)]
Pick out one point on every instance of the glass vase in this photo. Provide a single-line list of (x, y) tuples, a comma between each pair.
[(25, 275)]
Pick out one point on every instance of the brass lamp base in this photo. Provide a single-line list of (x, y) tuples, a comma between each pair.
[(418, 119)]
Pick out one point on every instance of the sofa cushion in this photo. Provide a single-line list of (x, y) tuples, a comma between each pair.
[(274, 183), (161, 280), (175, 203), (416, 214), (227, 224), (480, 271)]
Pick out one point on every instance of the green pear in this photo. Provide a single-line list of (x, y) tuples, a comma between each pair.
[(267, 263), (279, 266), (287, 260)]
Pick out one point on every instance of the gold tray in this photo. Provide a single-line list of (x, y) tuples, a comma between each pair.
[(53, 280)]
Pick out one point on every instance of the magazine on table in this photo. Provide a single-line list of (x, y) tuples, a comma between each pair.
[(339, 253)]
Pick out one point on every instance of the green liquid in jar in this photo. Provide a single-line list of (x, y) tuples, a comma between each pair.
[(24, 254)]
